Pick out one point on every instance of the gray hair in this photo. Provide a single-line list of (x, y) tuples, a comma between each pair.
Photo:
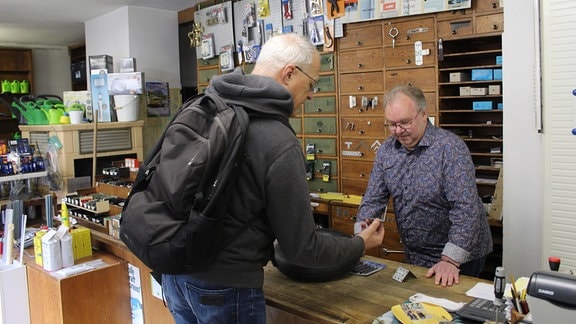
[(285, 49), (412, 92)]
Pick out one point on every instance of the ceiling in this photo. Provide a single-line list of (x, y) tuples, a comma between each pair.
[(53, 23)]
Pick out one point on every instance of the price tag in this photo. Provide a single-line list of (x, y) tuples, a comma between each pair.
[(402, 274)]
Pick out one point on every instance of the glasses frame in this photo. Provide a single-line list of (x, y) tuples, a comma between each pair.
[(314, 84), (403, 126)]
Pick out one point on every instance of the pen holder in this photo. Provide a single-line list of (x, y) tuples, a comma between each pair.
[(516, 317)]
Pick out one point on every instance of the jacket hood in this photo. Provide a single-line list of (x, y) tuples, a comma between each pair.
[(258, 93)]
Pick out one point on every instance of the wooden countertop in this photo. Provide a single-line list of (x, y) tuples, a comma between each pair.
[(355, 299), (83, 126)]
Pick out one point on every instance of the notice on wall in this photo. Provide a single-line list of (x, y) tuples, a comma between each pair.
[(158, 99), (135, 294)]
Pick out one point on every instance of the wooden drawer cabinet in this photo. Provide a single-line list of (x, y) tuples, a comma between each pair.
[(404, 56), (320, 105), (356, 37), (362, 82), (343, 217), (354, 187), (369, 104), (318, 185), (360, 61), (454, 14), (424, 78), (487, 6), (490, 24), (324, 146), (392, 243), (363, 126), (320, 125)]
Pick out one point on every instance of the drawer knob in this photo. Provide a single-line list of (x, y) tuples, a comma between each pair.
[(359, 66), (453, 31), (318, 109), (495, 27), (361, 132), (319, 130), (359, 43), (408, 61), (360, 88), (494, 5), (362, 175)]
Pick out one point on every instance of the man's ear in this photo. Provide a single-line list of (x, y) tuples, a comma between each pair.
[(287, 74)]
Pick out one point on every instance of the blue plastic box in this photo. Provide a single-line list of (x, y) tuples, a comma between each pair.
[(481, 74), (482, 105), (500, 106), (499, 59), (497, 74)]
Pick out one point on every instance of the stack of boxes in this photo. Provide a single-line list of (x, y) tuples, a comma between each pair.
[(480, 75)]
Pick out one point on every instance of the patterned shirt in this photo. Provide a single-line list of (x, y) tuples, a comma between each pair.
[(436, 203)]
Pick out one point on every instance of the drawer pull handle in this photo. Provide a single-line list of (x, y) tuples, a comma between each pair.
[(453, 31), (319, 130), (408, 61), (361, 132), (362, 175), (359, 43), (318, 109), (360, 88), (494, 5), (495, 27), (359, 66)]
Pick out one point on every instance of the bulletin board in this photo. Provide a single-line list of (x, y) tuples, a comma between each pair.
[(217, 29)]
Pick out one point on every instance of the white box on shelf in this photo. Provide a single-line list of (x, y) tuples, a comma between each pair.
[(494, 89), (464, 91), (459, 76), (14, 302), (478, 91)]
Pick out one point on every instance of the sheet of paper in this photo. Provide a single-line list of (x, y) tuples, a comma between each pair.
[(485, 290)]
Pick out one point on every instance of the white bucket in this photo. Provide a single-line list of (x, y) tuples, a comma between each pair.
[(126, 107)]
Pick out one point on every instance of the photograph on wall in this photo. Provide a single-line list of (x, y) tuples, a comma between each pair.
[(157, 99)]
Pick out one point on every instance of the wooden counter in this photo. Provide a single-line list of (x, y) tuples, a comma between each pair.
[(352, 299)]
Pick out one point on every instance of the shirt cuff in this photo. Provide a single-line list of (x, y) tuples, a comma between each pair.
[(455, 253)]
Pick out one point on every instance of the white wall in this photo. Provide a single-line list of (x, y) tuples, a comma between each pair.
[(523, 145), (149, 35)]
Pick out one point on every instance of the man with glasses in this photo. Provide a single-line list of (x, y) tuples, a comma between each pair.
[(429, 173), (271, 188)]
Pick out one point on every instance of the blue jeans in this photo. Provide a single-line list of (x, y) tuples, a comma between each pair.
[(195, 301)]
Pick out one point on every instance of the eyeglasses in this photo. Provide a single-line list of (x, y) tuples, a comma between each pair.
[(403, 126), (314, 83)]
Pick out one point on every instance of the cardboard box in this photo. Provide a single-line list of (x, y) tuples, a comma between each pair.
[(125, 83), (494, 89), (478, 91), (497, 74), (79, 97), (78, 71), (127, 65), (482, 105), (459, 76), (464, 91), (481, 74), (101, 62), (100, 96)]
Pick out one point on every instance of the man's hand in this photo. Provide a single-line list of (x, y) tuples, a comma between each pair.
[(372, 234), (445, 273)]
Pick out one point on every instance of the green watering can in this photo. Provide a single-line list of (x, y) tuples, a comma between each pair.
[(52, 109), (30, 110)]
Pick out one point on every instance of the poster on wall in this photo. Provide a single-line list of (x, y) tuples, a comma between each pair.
[(158, 99), (361, 10)]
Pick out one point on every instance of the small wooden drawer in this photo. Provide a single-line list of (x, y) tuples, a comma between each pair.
[(354, 187), (362, 82), (362, 35), (360, 61), (484, 6), (455, 28), (490, 23), (326, 84), (356, 170), (324, 146), (454, 14), (422, 29), (317, 185), (320, 105), (319, 168), (320, 125), (360, 148), (404, 56), (209, 62), (368, 126), (296, 124), (205, 75), (424, 78), (327, 63), (323, 206), (370, 104), (343, 217)]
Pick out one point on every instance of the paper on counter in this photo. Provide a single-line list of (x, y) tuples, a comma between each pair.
[(485, 291)]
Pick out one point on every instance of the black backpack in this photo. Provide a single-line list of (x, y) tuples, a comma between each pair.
[(171, 218)]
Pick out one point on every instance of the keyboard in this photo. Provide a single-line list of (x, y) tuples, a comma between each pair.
[(482, 309)]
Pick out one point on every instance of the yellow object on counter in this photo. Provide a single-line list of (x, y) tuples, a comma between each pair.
[(65, 217), (351, 199)]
